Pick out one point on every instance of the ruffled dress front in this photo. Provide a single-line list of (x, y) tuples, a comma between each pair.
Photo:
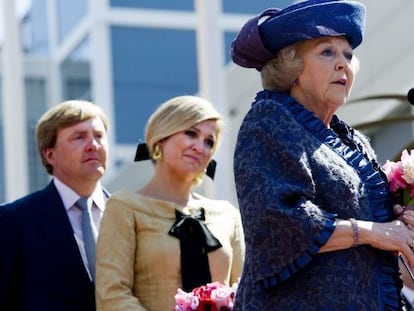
[(294, 176)]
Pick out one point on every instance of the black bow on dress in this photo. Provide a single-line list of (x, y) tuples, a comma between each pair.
[(196, 241)]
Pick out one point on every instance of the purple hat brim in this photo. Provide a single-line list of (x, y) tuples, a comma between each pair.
[(257, 43), (248, 50)]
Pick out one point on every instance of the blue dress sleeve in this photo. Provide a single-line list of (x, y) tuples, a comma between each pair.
[(276, 190)]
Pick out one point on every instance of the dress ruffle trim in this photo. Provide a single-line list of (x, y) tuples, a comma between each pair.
[(376, 189)]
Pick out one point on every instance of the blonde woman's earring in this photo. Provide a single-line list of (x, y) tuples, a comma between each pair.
[(199, 177), (157, 153)]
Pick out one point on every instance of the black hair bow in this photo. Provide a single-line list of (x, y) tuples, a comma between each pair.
[(143, 154)]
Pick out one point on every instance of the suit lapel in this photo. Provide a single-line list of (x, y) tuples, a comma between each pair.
[(57, 230)]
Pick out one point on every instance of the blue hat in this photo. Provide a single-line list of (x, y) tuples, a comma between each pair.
[(264, 35)]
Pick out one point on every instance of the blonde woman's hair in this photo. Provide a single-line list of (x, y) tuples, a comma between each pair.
[(178, 114), (61, 116)]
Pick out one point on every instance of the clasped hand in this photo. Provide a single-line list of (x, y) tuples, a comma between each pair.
[(406, 215)]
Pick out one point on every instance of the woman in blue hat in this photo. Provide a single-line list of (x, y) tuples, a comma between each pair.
[(319, 227)]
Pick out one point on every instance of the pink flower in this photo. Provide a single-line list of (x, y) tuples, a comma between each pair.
[(400, 176), (407, 162), (394, 172), (183, 301), (212, 296), (223, 297)]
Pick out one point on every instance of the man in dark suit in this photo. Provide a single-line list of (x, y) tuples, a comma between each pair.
[(46, 252)]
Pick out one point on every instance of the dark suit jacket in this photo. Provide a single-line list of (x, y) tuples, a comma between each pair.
[(41, 268)]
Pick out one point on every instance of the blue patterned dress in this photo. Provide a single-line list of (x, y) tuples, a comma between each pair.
[(294, 176)]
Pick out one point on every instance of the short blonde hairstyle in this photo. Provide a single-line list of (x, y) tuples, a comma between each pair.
[(62, 116), (178, 114)]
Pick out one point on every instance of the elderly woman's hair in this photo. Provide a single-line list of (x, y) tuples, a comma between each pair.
[(280, 73), (61, 116), (178, 114)]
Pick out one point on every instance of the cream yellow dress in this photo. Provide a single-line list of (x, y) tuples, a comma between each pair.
[(138, 262)]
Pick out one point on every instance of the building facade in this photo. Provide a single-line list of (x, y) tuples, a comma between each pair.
[(129, 56)]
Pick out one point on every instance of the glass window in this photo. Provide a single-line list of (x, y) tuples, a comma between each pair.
[(35, 103), (149, 67), (35, 106), (228, 39), (252, 7), (186, 5), (34, 28), (76, 76), (69, 14)]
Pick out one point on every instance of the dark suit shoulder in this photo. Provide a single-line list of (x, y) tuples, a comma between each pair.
[(32, 200), (3, 217)]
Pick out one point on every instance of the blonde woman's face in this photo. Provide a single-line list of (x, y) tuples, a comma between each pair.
[(187, 153)]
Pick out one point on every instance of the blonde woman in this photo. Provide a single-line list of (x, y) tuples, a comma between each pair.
[(165, 236)]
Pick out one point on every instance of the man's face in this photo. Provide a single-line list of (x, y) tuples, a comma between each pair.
[(80, 152)]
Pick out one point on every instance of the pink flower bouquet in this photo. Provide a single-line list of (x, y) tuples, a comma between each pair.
[(210, 297), (400, 176)]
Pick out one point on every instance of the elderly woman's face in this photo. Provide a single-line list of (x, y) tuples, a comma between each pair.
[(327, 75)]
